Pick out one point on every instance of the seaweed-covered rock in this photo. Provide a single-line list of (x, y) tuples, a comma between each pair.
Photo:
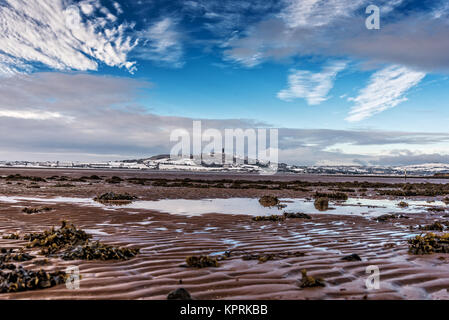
[(53, 240), (41, 262), (274, 218), (17, 177), (352, 257), (309, 281), (7, 266), (98, 251), (269, 201), (12, 236), (264, 257), (322, 204), (179, 294), (20, 279), (71, 243), (403, 204), (10, 255), (114, 180), (28, 210), (297, 215), (436, 226), (201, 262), (429, 243), (112, 197), (333, 195), (386, 217)]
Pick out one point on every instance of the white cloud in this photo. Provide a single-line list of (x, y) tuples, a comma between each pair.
[(336, 28), (162, 43), (30, 115), (386, 89), (315, 13), (118, 7), (87, 7), (314, 87), (10, 65), (441, 12), (61, 35)]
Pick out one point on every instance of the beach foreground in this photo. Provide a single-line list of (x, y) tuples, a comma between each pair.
[(256, 259)]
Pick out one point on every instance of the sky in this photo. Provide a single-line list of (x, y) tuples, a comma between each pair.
[(97, 80)]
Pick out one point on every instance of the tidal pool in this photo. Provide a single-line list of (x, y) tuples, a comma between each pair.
[(248, 206), (252, 207)]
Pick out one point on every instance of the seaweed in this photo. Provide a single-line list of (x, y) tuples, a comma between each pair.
[(269, 201), (112, 197), (12, 236), (71, 243), (36, 210), (403, 204), (201, 262), (41, 262), (12, 255), (429, 243), (387, 217), (322, 204), (98, 251), (297, 215), (273, 218), (395, 189), (20, 279), (436, 226), (334, 196), (264, 257), (309, 281), (114, 180), (52, 241), (63, 185), (17, 177)]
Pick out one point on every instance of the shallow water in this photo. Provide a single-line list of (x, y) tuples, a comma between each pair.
[(249, 206), (81, 201)]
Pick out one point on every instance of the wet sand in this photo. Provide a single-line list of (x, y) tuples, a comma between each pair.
[(166, 240)]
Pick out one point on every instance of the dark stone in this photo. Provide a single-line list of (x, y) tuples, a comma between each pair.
[(298, 215), (179, 294), (352, 257)]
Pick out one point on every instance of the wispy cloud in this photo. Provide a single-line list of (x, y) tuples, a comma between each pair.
[(442, 11), (297, 29), (315, 13), (224, 18), (314, 87), (336, 28), (387, 88), (61, 35), (162, 42)]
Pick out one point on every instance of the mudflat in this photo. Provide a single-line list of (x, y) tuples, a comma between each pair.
[(255, 259)]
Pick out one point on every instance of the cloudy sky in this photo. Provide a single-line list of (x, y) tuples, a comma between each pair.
[(102, 80)]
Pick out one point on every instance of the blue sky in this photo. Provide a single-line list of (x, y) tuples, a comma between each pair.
[(96, 79)]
